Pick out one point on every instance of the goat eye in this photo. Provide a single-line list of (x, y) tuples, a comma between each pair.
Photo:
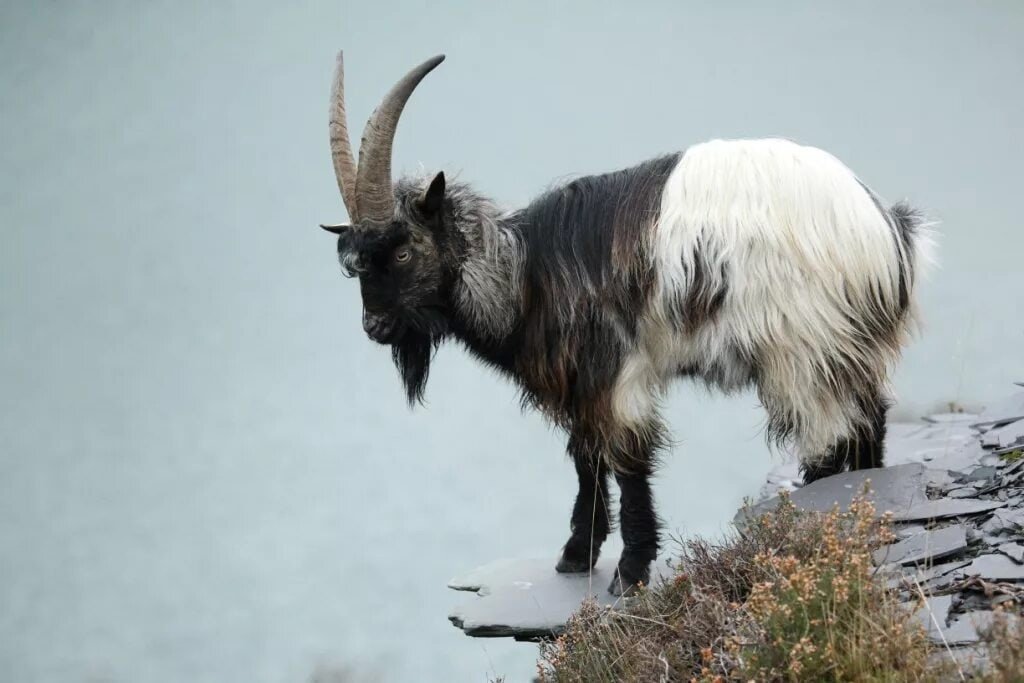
[(403, 255)]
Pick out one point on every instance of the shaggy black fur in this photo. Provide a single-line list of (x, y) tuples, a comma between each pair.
[(552, 295), (585, 278)]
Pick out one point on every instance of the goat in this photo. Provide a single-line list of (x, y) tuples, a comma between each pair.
[(740, 263)]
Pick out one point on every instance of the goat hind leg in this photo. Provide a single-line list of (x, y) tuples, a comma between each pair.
[(862, 448), (639, 526), (637, 519)]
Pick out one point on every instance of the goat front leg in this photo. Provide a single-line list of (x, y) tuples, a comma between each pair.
[(590, 514)]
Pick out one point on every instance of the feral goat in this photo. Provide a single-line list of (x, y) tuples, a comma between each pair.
[(742, 263)]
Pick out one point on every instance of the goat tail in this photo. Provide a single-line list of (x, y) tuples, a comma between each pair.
[(915, 237)]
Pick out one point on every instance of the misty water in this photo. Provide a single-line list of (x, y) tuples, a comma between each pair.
[(207, 473)]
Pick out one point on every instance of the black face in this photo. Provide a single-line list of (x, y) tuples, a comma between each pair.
[(404, 278), (400, 278)]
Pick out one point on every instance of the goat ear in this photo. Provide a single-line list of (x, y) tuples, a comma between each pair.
[(340, 229), (432, 200)]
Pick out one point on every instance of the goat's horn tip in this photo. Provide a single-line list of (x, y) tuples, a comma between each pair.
[(336, 229)]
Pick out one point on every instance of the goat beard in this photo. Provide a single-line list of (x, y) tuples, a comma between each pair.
[(425, 329), (412, 355)]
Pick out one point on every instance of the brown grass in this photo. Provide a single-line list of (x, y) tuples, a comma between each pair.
[(1005, 650), (791, 597)]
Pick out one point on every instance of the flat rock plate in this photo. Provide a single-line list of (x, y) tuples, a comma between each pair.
[(893, 489), (925, 546), (527, 599)]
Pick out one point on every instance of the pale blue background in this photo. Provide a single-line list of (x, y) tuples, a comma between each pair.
[(207, 473)]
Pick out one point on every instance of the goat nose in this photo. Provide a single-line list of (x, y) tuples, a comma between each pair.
[(378, 326), (370, 321)]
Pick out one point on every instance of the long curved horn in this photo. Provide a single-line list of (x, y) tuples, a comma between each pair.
[(341, 148), (373, 180)]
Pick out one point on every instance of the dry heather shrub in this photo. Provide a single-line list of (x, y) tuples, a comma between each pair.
[(1005, 640), (823, 617), (790, 597)]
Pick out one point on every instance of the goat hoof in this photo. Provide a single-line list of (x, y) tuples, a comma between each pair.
[(575, 561), (628, 581)]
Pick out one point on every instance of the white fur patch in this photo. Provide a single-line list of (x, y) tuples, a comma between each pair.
[(802, 249)]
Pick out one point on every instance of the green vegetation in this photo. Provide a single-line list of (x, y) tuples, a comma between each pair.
[(1013, 456)]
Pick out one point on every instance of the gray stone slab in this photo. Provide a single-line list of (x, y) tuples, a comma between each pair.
[(994, 541), (891, 488), (1013, 550), (527, 599), (965, 629), (962, 492), (982, 473), (945, 507), (990, 439), (1006, 520), (992, 424), (940, 583), (1005, 436), (912, 576), (990, 459), (907, 530), (928, 545), (934, 613), (994, 567)]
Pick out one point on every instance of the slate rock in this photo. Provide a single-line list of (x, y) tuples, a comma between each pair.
[(934, 613), (1014, 550), (966, 629), (784, 477), (994, 567), (1005, 436), (920, 576), (928, 545), (982, 474), (527, 599), (1004, 520), (891, 488), (946, 507), (940, 583), (907, 530), (995, 541)]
